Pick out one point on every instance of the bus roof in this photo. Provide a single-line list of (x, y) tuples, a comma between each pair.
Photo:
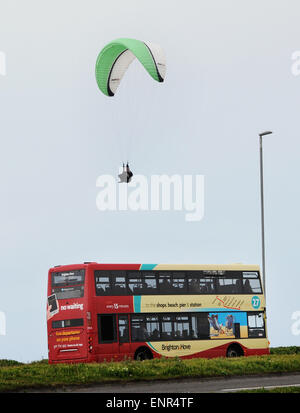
[(162, 267)]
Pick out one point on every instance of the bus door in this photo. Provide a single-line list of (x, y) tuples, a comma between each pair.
[(123, 330), (107, 336)]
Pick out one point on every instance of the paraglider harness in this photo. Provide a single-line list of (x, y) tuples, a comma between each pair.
[(126, 175)]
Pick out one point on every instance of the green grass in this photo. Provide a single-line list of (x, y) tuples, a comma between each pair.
[(285, 350), (21, 376), (273, 390), (9, 363)]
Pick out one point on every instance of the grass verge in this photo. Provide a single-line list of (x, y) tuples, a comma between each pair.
[(290, 389), (18, 376)]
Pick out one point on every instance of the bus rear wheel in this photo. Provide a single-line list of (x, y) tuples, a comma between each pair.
[(234, 350), (142, 354)]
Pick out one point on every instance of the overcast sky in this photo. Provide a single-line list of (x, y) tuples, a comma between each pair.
[(229, 77)]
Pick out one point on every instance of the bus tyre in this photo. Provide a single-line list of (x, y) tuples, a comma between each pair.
[(234, 350), (142, 354)]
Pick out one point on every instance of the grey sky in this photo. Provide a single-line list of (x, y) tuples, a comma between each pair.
[(228, 78)]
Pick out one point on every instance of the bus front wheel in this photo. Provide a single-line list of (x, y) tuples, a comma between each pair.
[(142, 354), (234, 350)]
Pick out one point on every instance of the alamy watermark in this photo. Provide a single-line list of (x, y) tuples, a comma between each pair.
[(160, 193), (2, 63), (295, 68), (296, 324), (2, 324)]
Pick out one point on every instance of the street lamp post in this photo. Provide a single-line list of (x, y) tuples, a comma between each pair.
[(262, 208)]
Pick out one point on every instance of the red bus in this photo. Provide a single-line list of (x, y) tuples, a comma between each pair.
[(103, 312)]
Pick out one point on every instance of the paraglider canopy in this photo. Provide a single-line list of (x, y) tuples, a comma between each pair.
[(115, 58)]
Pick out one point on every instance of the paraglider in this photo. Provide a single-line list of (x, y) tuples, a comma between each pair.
[(126, 175), (113, 62)]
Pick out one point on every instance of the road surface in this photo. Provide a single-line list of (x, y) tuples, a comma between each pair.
[(214, 385)]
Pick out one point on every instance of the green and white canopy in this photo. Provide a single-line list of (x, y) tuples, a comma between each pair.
[(115, 58)]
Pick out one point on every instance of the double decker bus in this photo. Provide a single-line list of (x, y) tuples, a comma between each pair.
[(103, 312)]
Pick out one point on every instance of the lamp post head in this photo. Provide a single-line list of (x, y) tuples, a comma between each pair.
[(265, 133)]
